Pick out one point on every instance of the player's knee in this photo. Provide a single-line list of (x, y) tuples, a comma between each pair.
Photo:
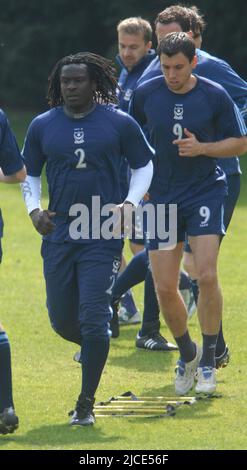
[(207, 278), (94, 329), (60, 329), (166, 292), (1, 328), (94, 318), (69, 331)]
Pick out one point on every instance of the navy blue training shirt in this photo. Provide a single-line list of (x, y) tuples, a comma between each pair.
[(203, 111), (83, 157), (128, 78), (221, 72), (10, 157)]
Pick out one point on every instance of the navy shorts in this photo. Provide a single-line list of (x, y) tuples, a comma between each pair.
[(79, 282), (201, 214), (233, 184), (1, 251)]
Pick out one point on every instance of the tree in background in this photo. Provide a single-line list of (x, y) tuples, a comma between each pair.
[(33, 35)]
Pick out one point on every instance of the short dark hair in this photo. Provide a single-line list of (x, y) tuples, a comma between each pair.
[(100, 71), (197, 22), (174, 43), (175, 14), (188, 17)]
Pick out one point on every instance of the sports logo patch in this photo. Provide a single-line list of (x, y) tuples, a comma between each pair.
[(128, 94), (178, 111), (78, 136)]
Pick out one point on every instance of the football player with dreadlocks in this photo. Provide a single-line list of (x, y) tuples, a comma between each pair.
[(82, 139)]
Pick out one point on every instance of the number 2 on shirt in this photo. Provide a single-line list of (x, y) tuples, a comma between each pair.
[(81, 155)]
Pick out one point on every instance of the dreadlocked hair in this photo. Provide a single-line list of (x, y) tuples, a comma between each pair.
[(100, 70)]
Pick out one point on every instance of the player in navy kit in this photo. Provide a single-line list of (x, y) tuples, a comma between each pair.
[(185, 115), (82, 140), (175, 19), (135, 54), (11, 171), (134, 43)]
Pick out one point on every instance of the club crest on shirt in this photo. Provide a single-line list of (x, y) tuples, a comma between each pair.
[(128, 94), (178, 112), (78, 136)]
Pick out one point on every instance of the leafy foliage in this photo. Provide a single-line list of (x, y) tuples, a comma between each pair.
[(34, 35)]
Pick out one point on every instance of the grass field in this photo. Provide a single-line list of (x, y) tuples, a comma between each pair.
[(47, 380)]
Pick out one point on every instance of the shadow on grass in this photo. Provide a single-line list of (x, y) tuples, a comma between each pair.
[(64, 436), (144, 361), (185, 408), (185, 411), (138, 359), (61, 435)]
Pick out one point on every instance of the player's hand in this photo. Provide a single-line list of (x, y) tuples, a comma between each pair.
[(123, 219), (42, 221), (189, 147)]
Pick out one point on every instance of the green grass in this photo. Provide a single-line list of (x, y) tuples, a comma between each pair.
[(47, 380)]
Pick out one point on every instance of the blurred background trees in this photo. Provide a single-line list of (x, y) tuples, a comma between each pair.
[(35, 34)]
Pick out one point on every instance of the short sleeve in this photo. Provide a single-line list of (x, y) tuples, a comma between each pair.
[(229, 121), (10, 157), (32, 150)]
